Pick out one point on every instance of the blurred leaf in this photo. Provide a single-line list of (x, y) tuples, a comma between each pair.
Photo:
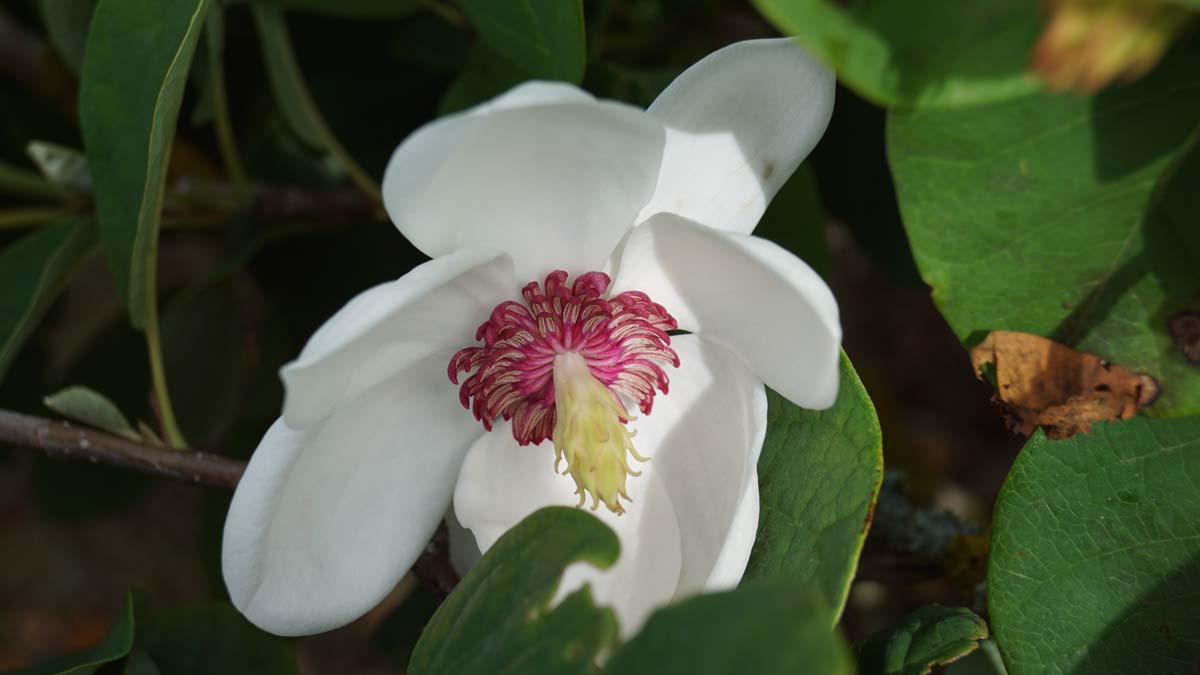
[(61, 165), (213, 640), (985, 661), (354, 9), (23, 183), (33, 271), (114, 645), (499, 620), (140, 663), (919, 53), (1037, 216), (67, 25), (545, 38), (773, 627), (930, 636), (796, 221), (148, 434), (1095, 559), (134, 72), (292, 95), (819, 475), (485, 76), (92, 408)]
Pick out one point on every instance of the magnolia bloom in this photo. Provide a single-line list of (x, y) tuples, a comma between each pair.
[(540, 357)]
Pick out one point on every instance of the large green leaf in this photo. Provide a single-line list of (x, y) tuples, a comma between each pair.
[(134, 71), (1095, 561), (212, 640), (498, 620), (33, 270), (930, 636), (918, 53), (114, 645), (819, 474), (545, 38), (1036, 215), (768, 627)]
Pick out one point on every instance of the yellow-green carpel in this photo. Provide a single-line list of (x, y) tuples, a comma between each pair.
[(590, 433)]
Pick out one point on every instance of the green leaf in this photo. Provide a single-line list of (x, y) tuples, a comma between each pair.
[(213, 640), (768, 627), (352, 9), (114, 645), (293, 98), (1095, 559), (33, 271), (134, 72), (1037, 216), (819, 475), (545, 38), (930, 636), (918, 53), (91, 408), (498, 619), (61, 165), (486, 75), (67, 25)]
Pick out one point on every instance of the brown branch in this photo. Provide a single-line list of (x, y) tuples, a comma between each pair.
[(63, 440), (66, 441)]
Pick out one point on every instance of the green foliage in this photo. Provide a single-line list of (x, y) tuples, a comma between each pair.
[(819, 474), (33, 271), (1095, 563), (921, 53), (498, 619), (768, 627), (17, 181), (1053, 215), (91, 408), (113, 646), (134, 71), (544, 38), (931, 636), (67, 25), (212, 640)]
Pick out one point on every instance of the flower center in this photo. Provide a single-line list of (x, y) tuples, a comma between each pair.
[(561, 365)]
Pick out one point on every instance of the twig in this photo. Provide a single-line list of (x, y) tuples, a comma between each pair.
[(67, 441)]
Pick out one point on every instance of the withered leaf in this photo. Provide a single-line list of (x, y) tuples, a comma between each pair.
[(1040, 382)]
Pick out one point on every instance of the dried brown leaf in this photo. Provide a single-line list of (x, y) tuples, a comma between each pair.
[(1040, 382)]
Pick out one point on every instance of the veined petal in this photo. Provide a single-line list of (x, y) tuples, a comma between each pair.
[(546, 173), (326, 521), (738, 122), (694, 509), (750, 295), (435, 307)]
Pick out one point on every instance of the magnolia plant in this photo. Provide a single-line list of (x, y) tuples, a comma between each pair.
[(595, 328)]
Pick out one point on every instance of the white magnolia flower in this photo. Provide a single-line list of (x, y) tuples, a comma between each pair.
[(521, 202)]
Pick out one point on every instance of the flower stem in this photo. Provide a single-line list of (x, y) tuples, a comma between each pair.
[(158, 378)]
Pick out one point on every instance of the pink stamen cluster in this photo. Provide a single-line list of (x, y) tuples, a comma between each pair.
[(623, 340)]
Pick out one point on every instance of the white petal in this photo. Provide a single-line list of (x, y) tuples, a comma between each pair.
[(326, 521), (695, 507), (739, 122), (435, 307), (546, 173), (705, 437), (748, 294)]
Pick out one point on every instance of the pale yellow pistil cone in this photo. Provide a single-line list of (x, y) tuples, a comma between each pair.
[(590, 435)]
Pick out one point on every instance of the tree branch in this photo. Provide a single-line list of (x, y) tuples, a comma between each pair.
[(66, 441)]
